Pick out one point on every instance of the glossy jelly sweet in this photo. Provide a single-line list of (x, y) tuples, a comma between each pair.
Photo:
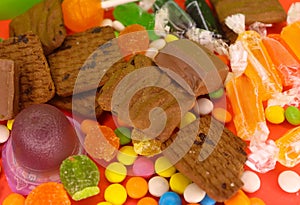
[(41, 138)]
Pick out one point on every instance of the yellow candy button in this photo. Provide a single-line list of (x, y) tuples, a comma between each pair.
[(127, 155), (115, 194), (105, 203), (275, 114), (115, 172), (170, 38), (187, 119), (178, 183), (9, 124), (163, 167)]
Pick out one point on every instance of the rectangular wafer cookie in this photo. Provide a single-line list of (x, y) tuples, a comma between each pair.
[(35, 81), (210, 155), (82, 59)]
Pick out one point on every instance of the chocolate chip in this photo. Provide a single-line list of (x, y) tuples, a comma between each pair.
[(224, 186), (22, 38), (96, 30)]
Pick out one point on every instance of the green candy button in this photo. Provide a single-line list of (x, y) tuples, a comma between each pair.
[(292, 115)]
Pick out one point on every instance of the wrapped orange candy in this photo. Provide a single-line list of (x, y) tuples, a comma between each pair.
[(290, 35), (287, 66), (289, 148), (260, 69), (249, 117)]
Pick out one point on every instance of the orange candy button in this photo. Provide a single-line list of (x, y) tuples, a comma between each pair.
[(240, 198), (147, 201), (136, 187), (14, 199), (256, 201)]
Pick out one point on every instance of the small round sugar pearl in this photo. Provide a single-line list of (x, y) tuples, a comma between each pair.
[(193, 193), (117, 25), (4, 133), (106, 22), (203, 106), (289, 181), (251, 181), (158, 44), (157, 186)]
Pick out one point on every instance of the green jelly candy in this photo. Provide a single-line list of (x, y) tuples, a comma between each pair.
[(131, 13), (124, 134), (216, 94), (292, 115), (80, 177)]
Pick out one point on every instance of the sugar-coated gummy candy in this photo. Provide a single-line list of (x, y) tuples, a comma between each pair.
[(127, 155), (178, 182), (292, 115), (193, 193), (207, 201), (4, 133), (80, 177), (115, 194), (147, 147), (188, 118), (170, 198), (115, 172), (289, 181), (158, 185), (14, 199), (203, 106), (275, 114), (124, 134), (143, 167), (251, 181), (163, 167), (136, 187)]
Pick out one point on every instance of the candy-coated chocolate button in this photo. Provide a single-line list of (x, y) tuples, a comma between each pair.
[(178, 183), (203, 106), (163, 167), (143, 167), (104, 203), (124, 134), (193, 193), (221, 115), (207, 201), (127, 155), (137, 187), (115, 194), (170, 38), (292, 115), (275, 114), (158, 186), (147, 201), (216, 94), (170, 198), (187, 119), (115, 172), (251, 181), (9, 124), (4, 133), (289, 181)]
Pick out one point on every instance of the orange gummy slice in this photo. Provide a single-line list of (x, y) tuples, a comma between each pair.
[(48, 193), (286, 65), (133, 39), (288, 144), (260, 67), (290, 34), (80, 15), (249, 118)]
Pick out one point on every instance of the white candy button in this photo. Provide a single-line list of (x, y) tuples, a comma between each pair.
[(118, 26), (158, 44), (4, 133), (193, 194), (251, 181), (158, 186), (203, 106), (107, 22), (289, 181)]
